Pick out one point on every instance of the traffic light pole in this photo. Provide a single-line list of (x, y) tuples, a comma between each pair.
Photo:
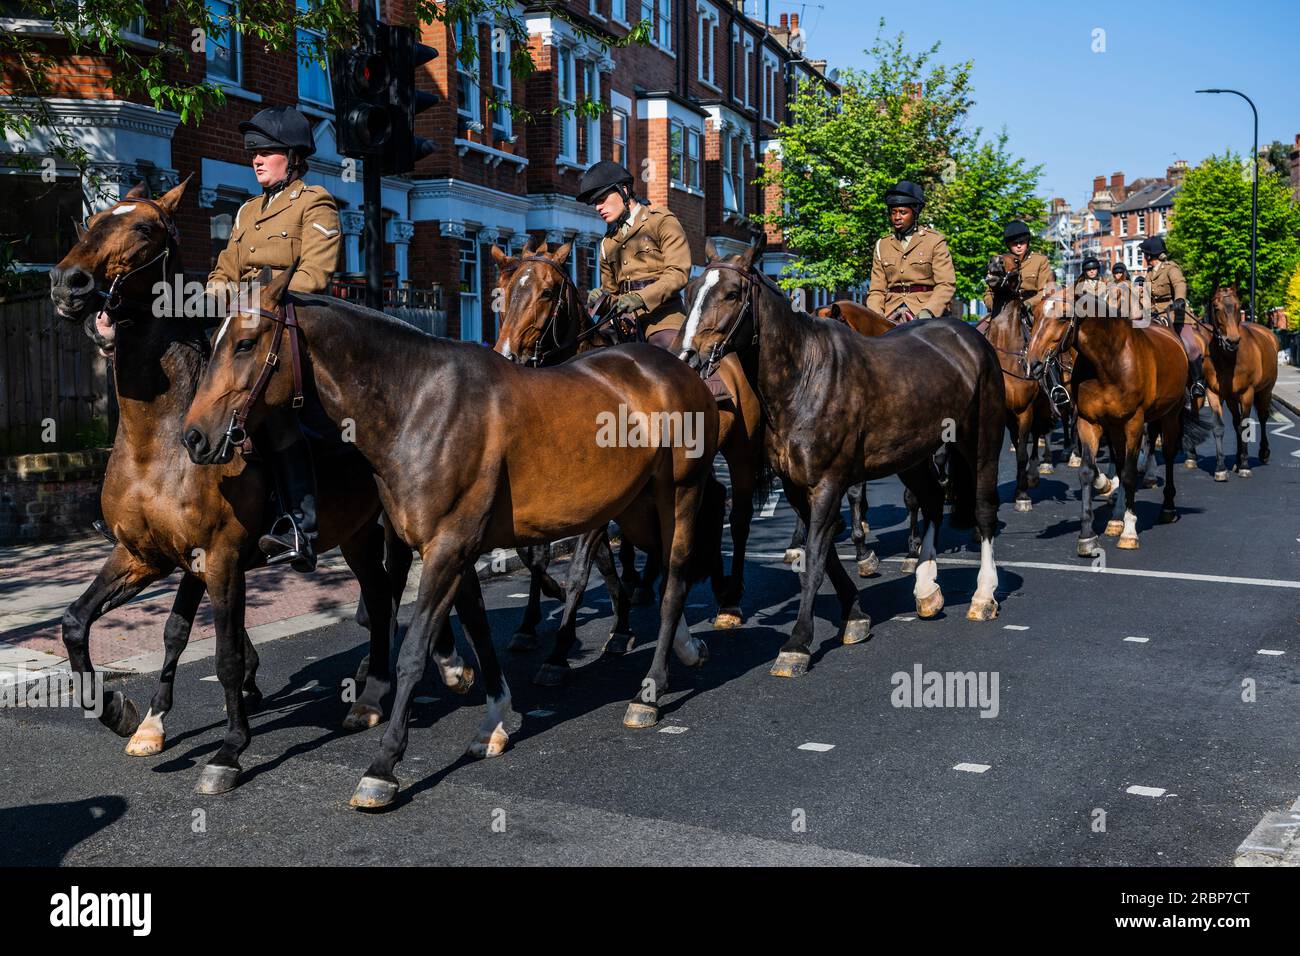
[(374, 243)]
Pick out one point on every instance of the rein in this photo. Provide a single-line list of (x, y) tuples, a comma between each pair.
[(1026, 330), (113, 298), (568, 288), (237, 430), (727, 344)]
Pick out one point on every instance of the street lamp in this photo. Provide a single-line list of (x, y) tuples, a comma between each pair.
[(1254, 193)]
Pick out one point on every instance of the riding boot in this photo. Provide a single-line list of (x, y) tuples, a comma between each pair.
[(1057, 393), (292, 538)]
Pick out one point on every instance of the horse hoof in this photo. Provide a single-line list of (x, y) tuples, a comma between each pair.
[(981, 610), (642, 595), (128, 717), (148, 739), (1114, 527), (1087, 547), (640, 716), (1150, 482), (790, 664), (1075, 461), (1024, 505), (1220, 476), (373, 793), (215, 779), (1045, 468), (1243, 473), (930, 605), (908, 566), (1129, 542), (701, 654), (868, 565), (494, 744), (461, 680), (1168, 516), (252, 700), (728, 617), (1189, 464), (551, 675), (619, 644), (362, 717), (857, 630), (522, 642), (791, 555)]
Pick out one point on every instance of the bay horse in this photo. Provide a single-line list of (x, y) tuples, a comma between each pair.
[(471, 453), (1241, 372), (544, 322), (1127, 380), (842, 408), (166, 513), (1029, 412)]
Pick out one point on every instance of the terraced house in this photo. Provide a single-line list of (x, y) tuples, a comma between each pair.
[(691, 114)]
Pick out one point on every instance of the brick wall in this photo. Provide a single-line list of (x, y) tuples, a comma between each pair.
[(51, 495)]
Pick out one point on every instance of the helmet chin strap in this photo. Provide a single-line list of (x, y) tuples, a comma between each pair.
[(613, 228)]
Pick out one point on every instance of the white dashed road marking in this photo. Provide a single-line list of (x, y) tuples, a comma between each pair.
[(541, 713), (1146, 791), (972, 767), (673, 729), (1015, 627), (817, 748), (1268, 653), (769, 506), (1137, 640)]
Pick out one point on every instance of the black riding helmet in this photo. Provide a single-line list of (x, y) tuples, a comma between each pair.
[(905, 193), (279, 127), (1154, 247), (1091, 263), (1119, 269), (600, 178), (1015, 230)]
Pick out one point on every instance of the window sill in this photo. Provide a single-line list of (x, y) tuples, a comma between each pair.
[(688, 189), (45, 29), (491, 156), (316, 110), (235, 90), (564, 165), (709, 84)]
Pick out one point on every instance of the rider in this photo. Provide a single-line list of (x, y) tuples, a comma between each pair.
[(289, 221), (1036, 279), (1168, 290), (1121, 290), (912, 274), (1090, 280), (645, 260)]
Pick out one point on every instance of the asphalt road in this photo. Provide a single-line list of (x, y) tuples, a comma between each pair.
[(1106, 681)]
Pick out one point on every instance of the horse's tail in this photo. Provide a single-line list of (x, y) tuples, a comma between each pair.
[(984, 426), (764, 482), (706, 552), (1194, 430), (961, 474)]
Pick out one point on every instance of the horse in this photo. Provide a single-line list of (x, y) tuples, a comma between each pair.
[(473, 452), (1241, 372), (1029, 413), (1127, 379), (842, 408), (164, 512), (544, 323)]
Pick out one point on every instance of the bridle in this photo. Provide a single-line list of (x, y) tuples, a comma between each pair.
[(113, 298), (728, 342), (550, 326), (237, 431)]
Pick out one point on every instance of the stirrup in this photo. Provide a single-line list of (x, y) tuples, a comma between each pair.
[(1198, 389), (1059, 397), (100, 525), (290, 545)]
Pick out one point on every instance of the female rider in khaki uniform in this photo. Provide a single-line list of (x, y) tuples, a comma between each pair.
[(289, 221)]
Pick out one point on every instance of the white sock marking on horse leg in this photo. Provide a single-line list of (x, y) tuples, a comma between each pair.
[(927, 569), (693, 320), (685, 645), (1130, 525), (492, 734), (987, 583)]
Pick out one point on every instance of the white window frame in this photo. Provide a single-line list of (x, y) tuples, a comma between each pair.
[(771, 69), (749, 85), (618, 11), (1123, 225), (567, 94), (236, 52), (303, 6), (467, 79), (591, 83), (502, 90), (692, 163), (471, 239), (664, 22), (593, 9), (706, 22), (615, 141), (732, 144)]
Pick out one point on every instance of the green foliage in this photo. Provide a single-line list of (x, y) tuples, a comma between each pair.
[(1210, 235)]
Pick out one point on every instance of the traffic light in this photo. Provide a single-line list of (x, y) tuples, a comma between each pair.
[(361, 77), (403, 148)]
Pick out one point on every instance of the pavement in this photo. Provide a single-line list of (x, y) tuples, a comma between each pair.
[(1144, 714)]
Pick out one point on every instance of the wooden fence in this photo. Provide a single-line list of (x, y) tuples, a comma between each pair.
[(50, 371)]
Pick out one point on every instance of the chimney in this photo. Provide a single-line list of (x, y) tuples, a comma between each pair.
[(785, 21), (1098, 184), (1176, 172), (1117, 186), (794, 22)]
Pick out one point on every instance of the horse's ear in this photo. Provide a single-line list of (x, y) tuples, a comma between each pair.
[(833, 312), (273, 289), (531, 245), (504, 262), (171, 199), (543, 248), (755, 252), (710, 250), (139, 191), (81, 230), (562, 253)]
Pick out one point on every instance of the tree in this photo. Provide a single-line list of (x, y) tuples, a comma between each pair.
[(1293, 301), (1278, 155), (1210, 235), (903, 119), (987, 189)]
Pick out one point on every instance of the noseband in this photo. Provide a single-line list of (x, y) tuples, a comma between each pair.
[(728, 342), (237, 431)]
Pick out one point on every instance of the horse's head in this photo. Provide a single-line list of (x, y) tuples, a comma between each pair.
[(1225, 315), (233, 394), (536, 295), (111, 267), (1054, 318), (722, 303)]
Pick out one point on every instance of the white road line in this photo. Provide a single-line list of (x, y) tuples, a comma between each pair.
[(972, 767), (1146, 791), (1015, 627), (211, 677), (769, 506), (817, 748), (904, 619), (426, 700), (516, 595), (1137, 640), (1268, 653), (673, 729), (540, 713)]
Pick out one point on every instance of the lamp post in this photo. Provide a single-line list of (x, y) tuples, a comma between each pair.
[(1254, 193)]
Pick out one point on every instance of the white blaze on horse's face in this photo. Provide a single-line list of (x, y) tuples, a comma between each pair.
[(697, 309), (224, 325)]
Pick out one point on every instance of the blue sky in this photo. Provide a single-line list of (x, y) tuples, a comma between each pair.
[(1081, 113)]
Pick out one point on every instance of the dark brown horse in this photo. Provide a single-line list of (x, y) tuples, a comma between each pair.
[(474, 453), (1127, 379), (842, 408), (545, 323), (165, 512)]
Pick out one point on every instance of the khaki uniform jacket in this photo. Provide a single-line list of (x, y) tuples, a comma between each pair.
[(301, 222), (1165, 282), (654, 248), (924, 260), (1036, 277)]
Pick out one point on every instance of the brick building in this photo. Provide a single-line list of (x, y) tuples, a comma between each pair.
[(688, 114)]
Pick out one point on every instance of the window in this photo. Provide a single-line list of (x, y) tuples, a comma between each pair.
[(707, 21), (37, 218), (313, 76), (770, 72), (574, 255), (749, 83), (648, 13), (593, 8), (684, 155), (501, 119), (223, 46), (591, 84), (220, 225), (1123, 225), (471, 316), (1141, 224), (665, 32), (619, 10), (568, 101), (467, 107), (618, 137), (733, 173)]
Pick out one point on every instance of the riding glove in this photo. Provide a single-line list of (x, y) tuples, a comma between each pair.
[(628, 303), (592, 298), (925, 314)]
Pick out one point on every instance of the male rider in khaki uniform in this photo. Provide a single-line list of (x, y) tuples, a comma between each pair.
[(1035, 269), (1168, 290), (912, 270)]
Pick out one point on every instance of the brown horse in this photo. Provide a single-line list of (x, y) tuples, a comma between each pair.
[(1241, 373), (1029, 413), (166, 513), (472, 453), (1127, 380), (544, 322)]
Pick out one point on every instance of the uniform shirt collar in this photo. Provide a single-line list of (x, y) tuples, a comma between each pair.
[(634, 216)]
